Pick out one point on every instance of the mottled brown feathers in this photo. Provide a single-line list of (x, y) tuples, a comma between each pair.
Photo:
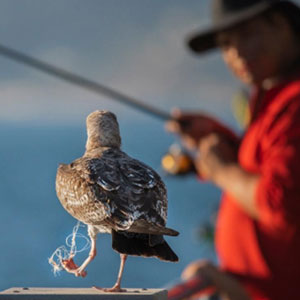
[(111, 191)]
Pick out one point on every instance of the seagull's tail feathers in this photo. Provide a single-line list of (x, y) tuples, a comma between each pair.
[(142, 245), (143, 226)]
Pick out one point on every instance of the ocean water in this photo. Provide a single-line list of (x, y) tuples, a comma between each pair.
[(33, 223)]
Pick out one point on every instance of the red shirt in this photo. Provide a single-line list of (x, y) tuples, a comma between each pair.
[(265, 254)]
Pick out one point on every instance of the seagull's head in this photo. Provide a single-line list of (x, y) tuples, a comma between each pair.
[(102, 130)]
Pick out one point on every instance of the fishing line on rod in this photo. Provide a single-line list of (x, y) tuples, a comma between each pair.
[(176, 166), (82, 82)]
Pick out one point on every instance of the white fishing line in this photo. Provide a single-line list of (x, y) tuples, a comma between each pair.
[(70, 249)]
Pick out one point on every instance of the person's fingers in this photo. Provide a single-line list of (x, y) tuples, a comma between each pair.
[(172, 126), (190, 271), (176, 113), (194, 268), (208, 141)]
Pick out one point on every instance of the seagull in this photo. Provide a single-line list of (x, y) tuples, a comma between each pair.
[(113, 193)]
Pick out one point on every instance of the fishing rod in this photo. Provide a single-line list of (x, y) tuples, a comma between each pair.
[(180, 163), (82, 82)]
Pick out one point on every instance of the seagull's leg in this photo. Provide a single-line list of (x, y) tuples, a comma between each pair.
[(69, 264), (92, 254), (117, 286)]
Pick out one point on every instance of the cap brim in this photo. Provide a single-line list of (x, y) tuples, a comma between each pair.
[(201, 42)]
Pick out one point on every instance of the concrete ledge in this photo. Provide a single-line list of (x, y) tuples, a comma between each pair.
[(20, 293)]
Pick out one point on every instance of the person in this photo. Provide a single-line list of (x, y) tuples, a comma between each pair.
[(258, 223)]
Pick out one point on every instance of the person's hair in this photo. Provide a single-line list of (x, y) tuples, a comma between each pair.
[(291, 14)]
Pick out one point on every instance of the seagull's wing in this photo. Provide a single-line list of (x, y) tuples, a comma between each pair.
[(137, 196), (146, 189), (79, 195)]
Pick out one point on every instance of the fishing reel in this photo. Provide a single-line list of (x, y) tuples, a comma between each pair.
[(177, 161)]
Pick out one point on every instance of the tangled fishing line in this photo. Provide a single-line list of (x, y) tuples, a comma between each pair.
[(69, 250)]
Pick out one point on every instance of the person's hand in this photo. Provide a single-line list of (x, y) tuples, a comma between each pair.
[(225, 284), (192, 127), (202, 268), (215, 153)]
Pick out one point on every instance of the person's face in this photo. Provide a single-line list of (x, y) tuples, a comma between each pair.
[(256, 50)]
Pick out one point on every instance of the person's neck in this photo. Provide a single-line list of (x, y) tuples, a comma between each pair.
[(287, 72)]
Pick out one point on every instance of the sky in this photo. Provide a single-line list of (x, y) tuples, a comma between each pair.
[(136, 47)]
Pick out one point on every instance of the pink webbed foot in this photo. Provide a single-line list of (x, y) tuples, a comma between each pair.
[(70, 266), (115, 289)]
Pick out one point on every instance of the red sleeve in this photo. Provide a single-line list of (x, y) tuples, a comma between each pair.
[(278, 191)]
